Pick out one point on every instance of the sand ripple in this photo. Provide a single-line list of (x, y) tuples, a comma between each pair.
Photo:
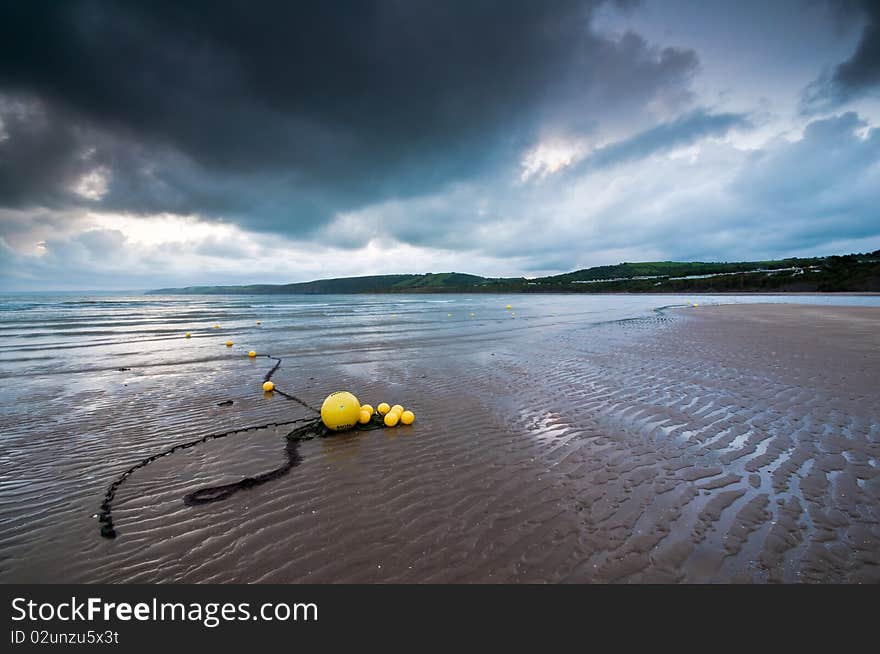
[(722, 444)]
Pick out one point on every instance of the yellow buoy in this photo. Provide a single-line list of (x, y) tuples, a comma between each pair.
[(340, 411), (508, 307), (367, 407), (252, 354), (188, 335), (696, 305), (407, 417), (216, 326), (397, 408), (364, 416), (391, 419), (259, 322), (268, 386), (383, 408), (228, 343)]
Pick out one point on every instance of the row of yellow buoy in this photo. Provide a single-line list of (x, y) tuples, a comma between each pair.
[(252, 354), (391, 415), (188, 335), (472, 314)]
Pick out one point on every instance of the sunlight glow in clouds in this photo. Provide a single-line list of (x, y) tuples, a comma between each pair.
[(550, 157), (163, 228), (93, 185)]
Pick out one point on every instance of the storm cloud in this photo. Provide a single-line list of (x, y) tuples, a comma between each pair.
[(859, 74), (175, 143), (281, 115)]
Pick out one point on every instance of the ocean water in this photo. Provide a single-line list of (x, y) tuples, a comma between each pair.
[(46, 334), (90, 384)]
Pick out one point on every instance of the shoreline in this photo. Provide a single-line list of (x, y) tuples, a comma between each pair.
[(543, 293)]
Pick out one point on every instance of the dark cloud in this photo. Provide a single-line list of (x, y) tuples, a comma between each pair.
[(279, 115), (39, 155), (296, 140), (461, 217), (722, 202), (860, 74), (684, 130)]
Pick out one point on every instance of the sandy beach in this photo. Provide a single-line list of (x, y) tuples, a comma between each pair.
[(711, 444)]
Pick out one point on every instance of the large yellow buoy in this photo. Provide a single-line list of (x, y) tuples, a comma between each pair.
[(383, 408), (228, 343), (407, 417), (340, 411), (364, 416), (391, 419), (252, 354), (367, 407), (268, 386)]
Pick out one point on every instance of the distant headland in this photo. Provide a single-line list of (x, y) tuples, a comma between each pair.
[(848, 273)]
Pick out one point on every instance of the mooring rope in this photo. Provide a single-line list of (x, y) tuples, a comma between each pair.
[(288, 396), (313, 427)]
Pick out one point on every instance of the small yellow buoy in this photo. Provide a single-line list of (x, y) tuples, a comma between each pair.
[(397, 408), (367, 407), (383, 408), (508, 307), (228, 343), (340, 411), (259, 322), (391, 419), (252, 354), (188, 335), (216, 326), (407, 417), (268, 386), (364, 416)]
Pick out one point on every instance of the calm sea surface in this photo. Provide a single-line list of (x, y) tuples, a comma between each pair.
[(46, 334)]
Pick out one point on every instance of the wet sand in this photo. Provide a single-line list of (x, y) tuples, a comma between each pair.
[(714, 444)]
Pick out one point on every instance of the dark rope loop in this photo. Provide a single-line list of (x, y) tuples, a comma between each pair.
[(288, 396), (311, 429)]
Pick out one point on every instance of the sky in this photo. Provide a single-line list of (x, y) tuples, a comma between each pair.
[(145, 145)]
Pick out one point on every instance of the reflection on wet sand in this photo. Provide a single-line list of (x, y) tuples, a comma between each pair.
[(712, 444)]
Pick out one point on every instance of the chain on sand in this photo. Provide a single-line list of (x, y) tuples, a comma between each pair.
[(308, 428)]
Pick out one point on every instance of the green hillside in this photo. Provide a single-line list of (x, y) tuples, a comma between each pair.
[(428, 283), (852, 272), (676, 269)]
